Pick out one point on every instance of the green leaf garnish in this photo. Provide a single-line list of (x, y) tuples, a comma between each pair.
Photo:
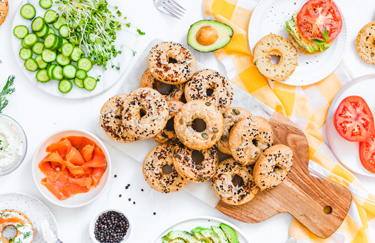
[(26, 235), (319, 42), (4, 215), (19, 241), (325, 34), (11, 240), (7, 90), (19, 226)]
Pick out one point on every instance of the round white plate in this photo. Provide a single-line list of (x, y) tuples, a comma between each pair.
[(348, 152), (203, 221), (33, 208), (125, 41), (270, 16), (78, 200)]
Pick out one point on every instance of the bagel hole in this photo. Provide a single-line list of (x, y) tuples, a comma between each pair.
[(199, 125), (142, 113), (209, 92), (170, 125), (197, 157), (10, 232), (274, 59), (255, 142), (164, 88), (237, 180), (327, 210), (172, 60), (167, 169)]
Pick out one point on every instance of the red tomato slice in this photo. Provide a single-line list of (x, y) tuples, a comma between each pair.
[(367, 153), (317, 14), (353, 119)]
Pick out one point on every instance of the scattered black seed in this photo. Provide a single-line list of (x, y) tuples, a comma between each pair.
[(154, 213), (142, 190), (120, 195), (130, 199), (115, 176), (111, 227), (133, 202)]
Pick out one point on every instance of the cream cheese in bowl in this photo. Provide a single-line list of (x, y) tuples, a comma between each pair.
[(13, 145)]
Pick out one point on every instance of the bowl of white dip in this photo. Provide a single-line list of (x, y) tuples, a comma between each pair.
[(13, 144)]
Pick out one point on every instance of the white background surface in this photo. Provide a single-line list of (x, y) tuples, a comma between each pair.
[(41, 114)]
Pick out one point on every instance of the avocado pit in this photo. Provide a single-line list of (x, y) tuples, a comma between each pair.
[(207, 36)]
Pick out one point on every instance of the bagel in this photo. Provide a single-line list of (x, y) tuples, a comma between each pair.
[(4, 9), (231, 115), (154, 175), (249, 138), (273, 166), (275, 45), (169, 136), (174, 93), (223, 186), (171, 63), (185, 166), (185, 122), (209, 80), (110, 120), (145, 113), (24, 226), (365, 43)]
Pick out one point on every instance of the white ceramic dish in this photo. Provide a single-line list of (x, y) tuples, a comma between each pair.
[(270, 17), (126, 40), (92, 225), (348, 152), (203, 221), (78, 200), (34, 209)]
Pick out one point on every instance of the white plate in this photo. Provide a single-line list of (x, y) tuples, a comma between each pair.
[(348, 152), (126, 40), (33, 208), (270, 17), (78, 200), (203, 221)]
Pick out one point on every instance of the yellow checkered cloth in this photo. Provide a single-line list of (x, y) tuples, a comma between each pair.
[(306, 106)]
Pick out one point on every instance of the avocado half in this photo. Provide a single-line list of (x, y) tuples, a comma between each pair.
[(209, 35)]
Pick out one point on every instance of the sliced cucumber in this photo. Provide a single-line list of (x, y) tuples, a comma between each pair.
[(58, 44), (67, 49), (24, 45), (64, 31), (81, 74), (65, 86), (49, 70), (84, 64), (62, 60), (25, 53), (51, 31), (38, 48), (69, 71), (20, 31), (46, 4), (48, 55), (76, 54), (89, 83), (59, 22), (51, 16), (41, 64), (31, 39), (43, 32), (79, 83), (38, 24), (42, 76), (50, 41), (57, 73), (31, 65), (28, 11), (63, 42)]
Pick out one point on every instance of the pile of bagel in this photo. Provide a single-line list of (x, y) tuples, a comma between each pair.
[(172, 120)]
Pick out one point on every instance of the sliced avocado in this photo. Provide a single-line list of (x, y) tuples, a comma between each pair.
[(230, 233), (195, 240), (179, 240), (209, 35), (220, 233), (210, 234), (176, 234), (198, 229), (200, 237)]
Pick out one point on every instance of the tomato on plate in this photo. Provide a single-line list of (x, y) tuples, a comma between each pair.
[(317, 14), (353, 119), (367, 153)]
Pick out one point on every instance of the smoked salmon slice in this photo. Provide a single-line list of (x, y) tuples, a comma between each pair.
[(75, 157), (63, 147)]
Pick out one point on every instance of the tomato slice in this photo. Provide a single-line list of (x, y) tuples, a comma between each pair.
[(353, 119), (367, 153), (317, 14)]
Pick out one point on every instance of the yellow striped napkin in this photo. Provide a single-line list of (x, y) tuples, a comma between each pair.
[(306, 106)]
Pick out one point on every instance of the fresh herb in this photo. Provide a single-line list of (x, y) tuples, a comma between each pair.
[(321, 42), (7, 90), (26, 235), (19, 241), (4, 215), (19, 226), (11, 240)]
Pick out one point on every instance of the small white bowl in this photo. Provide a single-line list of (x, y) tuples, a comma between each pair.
[(78, 200), (93, 221)]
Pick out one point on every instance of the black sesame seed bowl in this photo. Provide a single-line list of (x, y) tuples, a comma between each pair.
[(111, 226)]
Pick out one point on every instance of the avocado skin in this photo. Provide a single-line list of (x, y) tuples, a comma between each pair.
[(191, 37), (229, 233), (305, 45)]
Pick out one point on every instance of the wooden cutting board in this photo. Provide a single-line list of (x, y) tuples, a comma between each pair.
[(319, 205)]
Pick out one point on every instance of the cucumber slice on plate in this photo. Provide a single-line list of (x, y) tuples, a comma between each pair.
[(69, 71), (58, 44), (76, 54), (81, 74), (48, 55), (84, 64), (28, 11), (38, 48), (64, 31), (42, 64), (63, 42), (43, 32), (79, 83), (57, 72), (50, 41), (89, 83), (38, 24), (62, 60), (51, 16), (20, 31), (31, 39), (31, 65), (24, 45), (67, 49), (49, 70), (59, 22), (65, 86), (46, 4), (42, 76), (25, 53), (51, 31)]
